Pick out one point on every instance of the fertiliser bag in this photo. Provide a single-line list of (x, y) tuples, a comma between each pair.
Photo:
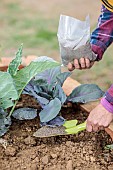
[(73, 36)]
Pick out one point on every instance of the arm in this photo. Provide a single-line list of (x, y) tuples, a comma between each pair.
[(102, 36)]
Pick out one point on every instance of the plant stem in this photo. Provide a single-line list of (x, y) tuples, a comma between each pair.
[(15, 103), (13, 108)]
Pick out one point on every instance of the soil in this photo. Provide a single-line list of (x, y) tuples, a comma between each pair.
[(84, 151)]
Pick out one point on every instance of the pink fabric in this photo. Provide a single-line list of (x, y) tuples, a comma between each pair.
[(107, 105)]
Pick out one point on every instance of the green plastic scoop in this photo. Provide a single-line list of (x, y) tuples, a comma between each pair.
[(68, 128)]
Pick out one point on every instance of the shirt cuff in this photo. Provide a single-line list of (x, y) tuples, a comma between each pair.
[(97, 50), (109, 95), (107, 105)]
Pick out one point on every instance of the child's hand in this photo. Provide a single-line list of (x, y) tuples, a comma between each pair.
[(98, 119), (83, 63)]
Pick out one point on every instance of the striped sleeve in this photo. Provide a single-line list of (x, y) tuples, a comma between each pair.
[(107, 100), (102, 36), (109, 95)]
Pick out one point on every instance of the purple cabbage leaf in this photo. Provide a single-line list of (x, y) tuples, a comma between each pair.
[(62, 77), (59, 93), (5, 122), (50, 111), (49, 75), (35, 91), (85, 93), (25, 113), (57, 121)]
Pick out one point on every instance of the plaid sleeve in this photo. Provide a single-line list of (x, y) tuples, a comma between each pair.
[(102, 36)]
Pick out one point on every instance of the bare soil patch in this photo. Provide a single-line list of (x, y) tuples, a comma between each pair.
[(84, 151)]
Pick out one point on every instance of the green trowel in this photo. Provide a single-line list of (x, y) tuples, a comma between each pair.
[(68, 128)]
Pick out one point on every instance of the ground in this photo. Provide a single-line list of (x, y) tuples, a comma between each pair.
[(84, 151)]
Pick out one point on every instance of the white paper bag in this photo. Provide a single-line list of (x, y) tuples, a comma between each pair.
[(73, 36)]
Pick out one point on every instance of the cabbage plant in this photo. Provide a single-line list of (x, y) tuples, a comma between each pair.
[(12, 84), (43, 80), (46, 88)]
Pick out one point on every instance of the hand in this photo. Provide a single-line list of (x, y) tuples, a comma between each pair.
[(83, 63), (98, 119)]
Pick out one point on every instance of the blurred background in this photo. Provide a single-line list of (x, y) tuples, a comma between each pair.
[(35, 23)]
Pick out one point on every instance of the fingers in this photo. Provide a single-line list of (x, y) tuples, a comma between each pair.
[(83, 63), (70, 67), (76, 64), (97, 125), (90, 127), (95, 122), (101, 128), (105, 121), (94, 125), (88, 63), (102, 122), (98, 119), (73, 66)]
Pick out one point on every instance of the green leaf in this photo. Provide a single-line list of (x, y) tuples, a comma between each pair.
[(23, 76), (13, 66), (8, 92), (70, 123), (85, 93)]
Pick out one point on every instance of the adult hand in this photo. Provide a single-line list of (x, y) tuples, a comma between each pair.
[(83, 63), (98, 119)]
